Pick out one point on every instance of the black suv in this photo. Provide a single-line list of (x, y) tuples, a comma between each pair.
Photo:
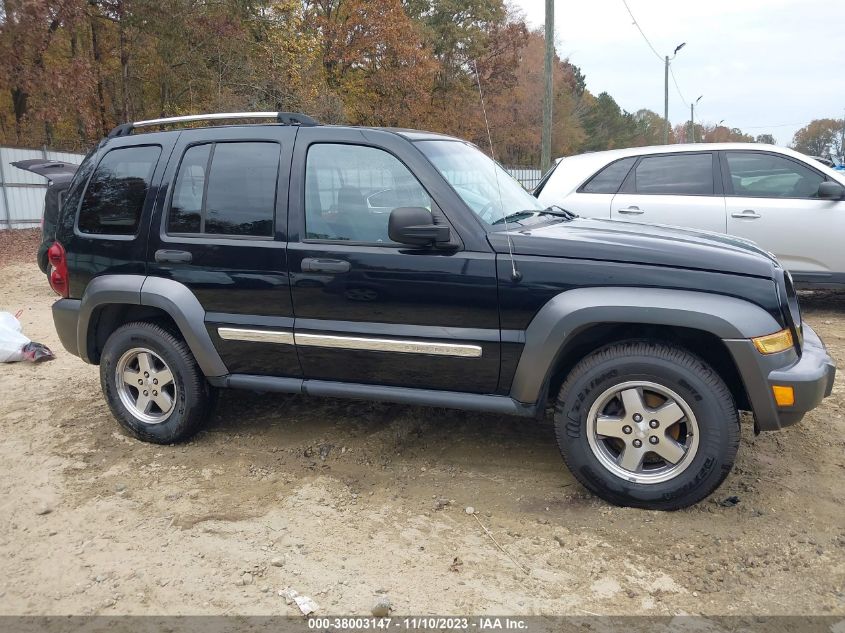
[(408, 267)]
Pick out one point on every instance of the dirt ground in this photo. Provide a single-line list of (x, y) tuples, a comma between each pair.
[(347, 502)]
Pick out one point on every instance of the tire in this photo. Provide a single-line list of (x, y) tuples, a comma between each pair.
[(130, 350), (609, 402)]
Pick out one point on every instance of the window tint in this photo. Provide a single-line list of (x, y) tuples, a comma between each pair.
[(609, 179), (115, 195), (226, 189), (759, 175), (350, 191), (685, 175), (186, 206)]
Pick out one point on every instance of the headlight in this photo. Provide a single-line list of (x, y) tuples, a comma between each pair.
[(774, 343)]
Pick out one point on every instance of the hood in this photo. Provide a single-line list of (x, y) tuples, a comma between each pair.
[(627, 242), (54, 170)]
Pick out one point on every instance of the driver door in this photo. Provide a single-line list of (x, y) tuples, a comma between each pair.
[(369, 310)]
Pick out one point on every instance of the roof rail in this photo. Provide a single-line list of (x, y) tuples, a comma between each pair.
[(286, 118)]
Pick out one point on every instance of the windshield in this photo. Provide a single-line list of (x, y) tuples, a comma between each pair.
[(490, 191)]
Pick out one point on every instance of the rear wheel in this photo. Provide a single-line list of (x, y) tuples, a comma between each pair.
[(647, 425), (153, 385)]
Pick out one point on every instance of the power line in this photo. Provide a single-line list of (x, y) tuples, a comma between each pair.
[(637, 24)]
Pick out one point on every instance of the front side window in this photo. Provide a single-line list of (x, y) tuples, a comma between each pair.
[(350, 191), (114, 197), (609, 179), (759, 175), (679, 174), (226, 189)]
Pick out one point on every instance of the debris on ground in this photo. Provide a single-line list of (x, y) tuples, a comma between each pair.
[(306, 605), (729, 502), (381, 609), (14, 346)]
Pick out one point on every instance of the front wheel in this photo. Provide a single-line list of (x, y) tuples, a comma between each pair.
[(647, 425)]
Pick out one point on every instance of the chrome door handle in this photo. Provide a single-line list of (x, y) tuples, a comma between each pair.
[(748, 214), (631, 211), (164, 256), (317, 265)]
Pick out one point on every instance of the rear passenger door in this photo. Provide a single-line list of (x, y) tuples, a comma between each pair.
[(683, 189), (220, 230)]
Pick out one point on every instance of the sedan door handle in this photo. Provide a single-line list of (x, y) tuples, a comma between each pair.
[(165, 256), (631, 211), (748, 214), (316, 265)]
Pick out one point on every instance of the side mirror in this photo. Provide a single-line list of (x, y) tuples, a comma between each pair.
[(829, 190), (415, 226)]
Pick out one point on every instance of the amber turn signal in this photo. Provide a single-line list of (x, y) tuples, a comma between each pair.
[(784, 396), (773, 343)]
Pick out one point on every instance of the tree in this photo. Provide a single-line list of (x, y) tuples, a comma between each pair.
[(821, 137), (768, 139)]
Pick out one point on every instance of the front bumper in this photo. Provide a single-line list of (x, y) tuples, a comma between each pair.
[(811, 377)]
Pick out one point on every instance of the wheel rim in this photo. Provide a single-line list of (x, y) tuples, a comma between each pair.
[(145, 385), (642, 432)]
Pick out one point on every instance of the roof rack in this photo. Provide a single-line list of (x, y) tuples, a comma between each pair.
[(286, 118)]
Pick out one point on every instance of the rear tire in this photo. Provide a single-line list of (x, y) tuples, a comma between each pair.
[(153, 385), (647, 425)]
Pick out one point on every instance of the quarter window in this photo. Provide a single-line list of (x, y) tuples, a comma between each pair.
[(760, 175), (609, 179), (679, 174), (226, 189), (350, 191), (114, 197)]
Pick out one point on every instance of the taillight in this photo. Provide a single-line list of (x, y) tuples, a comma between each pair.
[(58, 274)]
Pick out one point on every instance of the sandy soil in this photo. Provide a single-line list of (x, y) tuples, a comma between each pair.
[(347, 502)]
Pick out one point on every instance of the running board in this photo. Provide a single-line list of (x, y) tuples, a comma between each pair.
[(403, 395)]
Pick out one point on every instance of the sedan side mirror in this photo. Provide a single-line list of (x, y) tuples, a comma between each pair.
[(829, 190), (415, 226)]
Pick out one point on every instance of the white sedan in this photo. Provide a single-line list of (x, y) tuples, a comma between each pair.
[(790, 204)]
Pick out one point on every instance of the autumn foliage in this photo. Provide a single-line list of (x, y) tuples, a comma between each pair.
[(72, 69)]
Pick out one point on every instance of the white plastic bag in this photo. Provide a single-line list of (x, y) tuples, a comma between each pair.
[(12, 341)]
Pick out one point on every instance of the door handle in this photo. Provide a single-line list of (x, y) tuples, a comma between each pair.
[(631, 211), (165, 256), (748, 214), (317, 265)]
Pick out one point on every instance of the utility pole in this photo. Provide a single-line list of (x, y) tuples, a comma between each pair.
[(666, 93), (666, 103), (548, 69), (692, 118)]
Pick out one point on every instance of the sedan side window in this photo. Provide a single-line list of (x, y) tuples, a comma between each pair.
[(762, 175), (677, 174), (350, 191)]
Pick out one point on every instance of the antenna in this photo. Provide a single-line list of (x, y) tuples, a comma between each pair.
[(515, 274)]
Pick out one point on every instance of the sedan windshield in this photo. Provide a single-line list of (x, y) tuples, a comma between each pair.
[(490, 191)]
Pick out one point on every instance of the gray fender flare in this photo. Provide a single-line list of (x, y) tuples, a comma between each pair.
[(572, 311), (170, 296)]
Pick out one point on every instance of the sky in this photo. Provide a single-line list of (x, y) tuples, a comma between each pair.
[(764, 66)]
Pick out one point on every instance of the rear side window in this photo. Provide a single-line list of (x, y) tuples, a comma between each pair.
[(226, 189), (683, 175), (115, 195), (609, 179)]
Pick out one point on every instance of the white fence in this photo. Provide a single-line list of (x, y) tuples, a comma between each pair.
[(528, 177), (22, 192)]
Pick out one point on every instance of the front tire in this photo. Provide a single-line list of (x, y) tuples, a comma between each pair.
[(647, 425), (153, 385)]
